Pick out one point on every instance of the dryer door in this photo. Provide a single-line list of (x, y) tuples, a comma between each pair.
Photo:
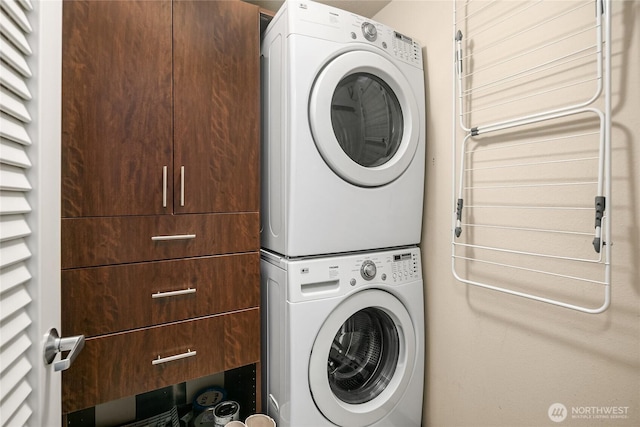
[(364, 118), (362, 359)]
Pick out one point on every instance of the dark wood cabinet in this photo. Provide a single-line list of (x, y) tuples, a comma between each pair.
[(116, 107), (132, 362), (216, 115), (160, 193), (160, 109)]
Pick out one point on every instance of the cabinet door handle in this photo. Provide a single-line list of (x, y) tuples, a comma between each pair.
[(173, 293), (164, 186), (161, 360), (173, 237), (181, 185)]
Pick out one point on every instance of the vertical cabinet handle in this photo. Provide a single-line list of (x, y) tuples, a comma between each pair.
[(164, 186), (181, 185)]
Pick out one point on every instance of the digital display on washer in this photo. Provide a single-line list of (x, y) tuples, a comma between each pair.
[(402, 257), (403, 37)]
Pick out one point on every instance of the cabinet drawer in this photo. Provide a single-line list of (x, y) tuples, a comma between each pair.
[(98, 241), (101, 300), (119, 365)]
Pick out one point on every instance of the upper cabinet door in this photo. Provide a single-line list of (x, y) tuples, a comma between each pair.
[(216, 51), (117, 108)]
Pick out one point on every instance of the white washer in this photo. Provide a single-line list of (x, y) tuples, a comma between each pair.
[(343, 339), (343, 133)]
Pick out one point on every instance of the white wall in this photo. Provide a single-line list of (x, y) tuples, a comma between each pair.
[(499, 360)]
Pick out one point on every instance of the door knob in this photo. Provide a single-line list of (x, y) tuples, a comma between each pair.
[(54, 345)]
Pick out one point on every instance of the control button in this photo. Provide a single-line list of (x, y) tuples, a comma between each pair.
[(352, 282), (353, 35), (368, 270), (384, 45), (383, 277), (369, 31)]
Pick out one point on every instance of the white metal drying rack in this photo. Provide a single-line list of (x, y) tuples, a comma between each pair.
[(503, 260)]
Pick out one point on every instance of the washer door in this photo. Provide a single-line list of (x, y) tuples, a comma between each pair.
[(362, 359), (364, 118)]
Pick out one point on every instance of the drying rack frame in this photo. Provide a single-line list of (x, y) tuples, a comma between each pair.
[(602, 243)]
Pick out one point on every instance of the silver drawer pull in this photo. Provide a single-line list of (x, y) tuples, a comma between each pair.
[(161, 360), (173, 293), (174, 237)]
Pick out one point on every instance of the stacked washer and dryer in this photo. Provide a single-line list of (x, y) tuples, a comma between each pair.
[(342, 194)]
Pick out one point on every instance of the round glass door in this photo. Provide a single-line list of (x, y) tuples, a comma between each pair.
[(363, 356), (362, 359), (364, 118), (367, 119)]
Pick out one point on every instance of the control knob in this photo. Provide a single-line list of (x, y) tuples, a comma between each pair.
[(368, 270), (369, 31)]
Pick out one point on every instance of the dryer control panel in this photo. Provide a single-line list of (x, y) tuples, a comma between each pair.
[(328, 23)]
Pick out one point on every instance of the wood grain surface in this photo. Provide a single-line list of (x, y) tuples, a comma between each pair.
[(103, 300), (119, 365), (217, 105), (116, 106), (88, 242)]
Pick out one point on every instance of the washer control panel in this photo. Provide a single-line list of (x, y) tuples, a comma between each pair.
[(404, 266), (393, 267), (320, 277)]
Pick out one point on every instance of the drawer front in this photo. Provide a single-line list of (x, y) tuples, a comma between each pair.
[(88, 242), (101, 300), (119, 365)]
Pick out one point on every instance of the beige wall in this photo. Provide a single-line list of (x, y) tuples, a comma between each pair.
[(499, 360)]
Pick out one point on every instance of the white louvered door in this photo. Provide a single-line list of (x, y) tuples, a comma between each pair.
[(30, 91)]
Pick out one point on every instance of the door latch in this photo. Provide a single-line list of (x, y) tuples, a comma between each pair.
[(54, 345)]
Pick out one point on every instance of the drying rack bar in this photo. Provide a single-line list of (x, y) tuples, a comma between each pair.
[(535, 176)]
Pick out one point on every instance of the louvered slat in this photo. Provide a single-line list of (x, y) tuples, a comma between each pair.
[(15, 299), (14, 401), (13, 302), (13, 106), (12, 202), (13, 276), (26, 4), (13, 227), (15, 12), (14, 81), (14, 58), (15, 326), (14, 34), (12, 153), (15, 375), (13, 178), (13, 130)]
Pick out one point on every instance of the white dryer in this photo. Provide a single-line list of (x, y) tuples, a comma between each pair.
[(343, 343), (343, 133)]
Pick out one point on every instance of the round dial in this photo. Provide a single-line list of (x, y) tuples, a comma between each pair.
[(368, 270), (369, 31)]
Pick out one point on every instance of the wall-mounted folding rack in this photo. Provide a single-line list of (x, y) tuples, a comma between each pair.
[(532, 172)]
